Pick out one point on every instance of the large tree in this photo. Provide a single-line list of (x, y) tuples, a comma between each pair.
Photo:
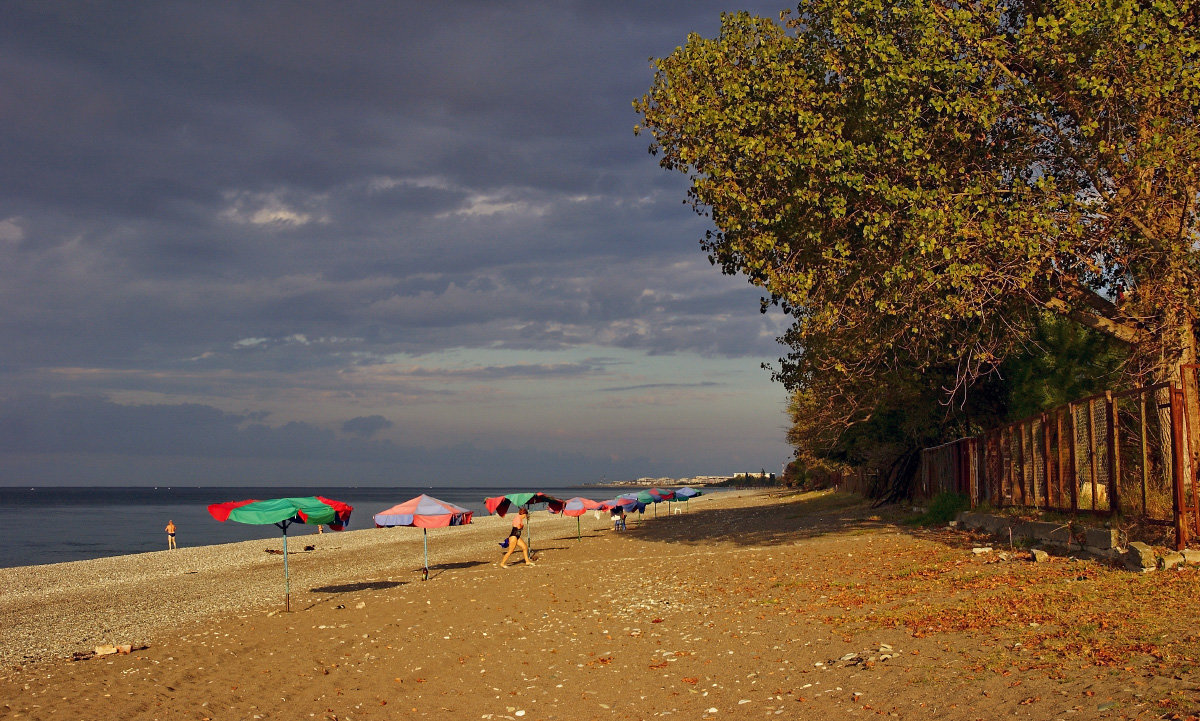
[(915, 181)]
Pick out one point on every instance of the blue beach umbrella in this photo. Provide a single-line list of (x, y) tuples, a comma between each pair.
[(687, 493)]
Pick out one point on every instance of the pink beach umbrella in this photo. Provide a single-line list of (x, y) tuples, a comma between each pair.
[(576, 507), (424, 512)]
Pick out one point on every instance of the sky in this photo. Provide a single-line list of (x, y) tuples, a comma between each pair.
[(361, 243)]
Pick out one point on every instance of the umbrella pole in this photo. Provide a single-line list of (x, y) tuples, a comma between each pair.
[(578, 534), (287, 581), (426, 534)]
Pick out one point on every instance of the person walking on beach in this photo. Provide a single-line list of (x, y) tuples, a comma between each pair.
[(514, 538), (170, 535)]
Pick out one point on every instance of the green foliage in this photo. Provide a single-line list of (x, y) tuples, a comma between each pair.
[(917, 181), (944, 508), (1063, 362), (740, 480)]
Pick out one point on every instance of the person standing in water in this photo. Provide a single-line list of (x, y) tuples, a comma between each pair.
[(170, 535), (514, 538)]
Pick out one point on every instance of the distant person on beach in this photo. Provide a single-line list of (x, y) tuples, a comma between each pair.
[(170, 535), (514, 538)]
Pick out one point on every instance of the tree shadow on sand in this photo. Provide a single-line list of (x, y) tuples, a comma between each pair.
[(793, 517), (362, 586)]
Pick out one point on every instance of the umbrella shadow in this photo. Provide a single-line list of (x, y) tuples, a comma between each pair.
[(362, 586), (438, 569), (574, 537)]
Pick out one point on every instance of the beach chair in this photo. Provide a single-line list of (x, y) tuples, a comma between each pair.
[(618, 523)]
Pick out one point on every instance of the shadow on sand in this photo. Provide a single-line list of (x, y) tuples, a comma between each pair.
[(438, 569), (363, 586)]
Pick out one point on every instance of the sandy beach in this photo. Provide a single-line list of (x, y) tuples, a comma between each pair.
[(751, 605)]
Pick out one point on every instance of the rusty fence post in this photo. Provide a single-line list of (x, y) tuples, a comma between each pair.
[(1187, 379), (1073, 459), (1062, 461), (1177, 452), (1046, 472), (1114, 456)]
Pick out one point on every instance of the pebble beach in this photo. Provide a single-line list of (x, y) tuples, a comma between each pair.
[(750, 605)]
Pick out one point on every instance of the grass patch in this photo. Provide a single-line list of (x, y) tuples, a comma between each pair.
[(944, 508)]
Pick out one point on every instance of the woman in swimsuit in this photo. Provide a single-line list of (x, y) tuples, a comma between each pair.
[(514, 538)]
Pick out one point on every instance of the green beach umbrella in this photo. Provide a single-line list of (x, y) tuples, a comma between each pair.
[(501, 505), (283, 512)]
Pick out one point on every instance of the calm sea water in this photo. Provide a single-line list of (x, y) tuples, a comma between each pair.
[(52, 525)]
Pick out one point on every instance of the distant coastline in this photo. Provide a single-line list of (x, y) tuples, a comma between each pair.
[(664, 482), (732, 480)]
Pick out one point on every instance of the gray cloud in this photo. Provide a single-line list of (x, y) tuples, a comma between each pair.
[(366, 426), (83, 439), (210, 206)]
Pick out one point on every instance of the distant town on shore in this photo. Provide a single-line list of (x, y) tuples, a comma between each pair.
[(731, 479)]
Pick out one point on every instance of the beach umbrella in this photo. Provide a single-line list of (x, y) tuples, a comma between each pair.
[(576, 507), (687, 493), (664, 494), (646, 498), (629, 504), (632, 503), (501, 505), (283, 512), (424, 512)]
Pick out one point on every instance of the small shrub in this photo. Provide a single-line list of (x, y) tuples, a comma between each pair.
[(944, 508)]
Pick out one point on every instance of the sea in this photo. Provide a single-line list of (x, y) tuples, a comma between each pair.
[(60, 524)]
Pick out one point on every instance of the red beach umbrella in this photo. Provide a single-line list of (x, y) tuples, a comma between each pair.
[(424, 512), (501, 505), (283, 512)]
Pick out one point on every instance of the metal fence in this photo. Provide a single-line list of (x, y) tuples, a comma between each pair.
[(1110, 454)]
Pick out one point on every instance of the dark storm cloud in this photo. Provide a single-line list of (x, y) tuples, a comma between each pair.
[(200, 199)]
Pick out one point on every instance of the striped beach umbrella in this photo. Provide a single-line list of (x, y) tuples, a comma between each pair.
[(424, 512), (576, 507)]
